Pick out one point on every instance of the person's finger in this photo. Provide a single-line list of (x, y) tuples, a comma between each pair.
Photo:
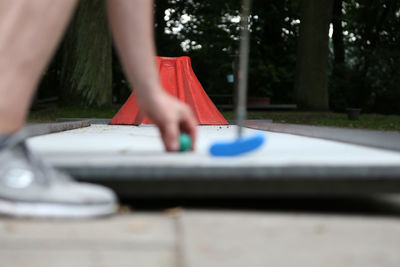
[(170, 136), (188, 125)]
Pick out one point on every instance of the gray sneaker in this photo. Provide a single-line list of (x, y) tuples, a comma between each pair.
[(31, 188)]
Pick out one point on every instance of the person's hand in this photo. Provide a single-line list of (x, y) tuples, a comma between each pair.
[(172, 118)]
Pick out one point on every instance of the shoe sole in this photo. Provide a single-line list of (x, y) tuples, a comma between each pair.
[(55, 210)]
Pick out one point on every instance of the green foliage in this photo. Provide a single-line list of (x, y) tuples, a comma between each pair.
[(210, 36), (370, 76), (274, 42), (86, 68), (53, 112), (50, 83), (87, 65), (207, 39)]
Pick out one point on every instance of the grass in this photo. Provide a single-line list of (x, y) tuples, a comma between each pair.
[(367, 121), (51, 113)]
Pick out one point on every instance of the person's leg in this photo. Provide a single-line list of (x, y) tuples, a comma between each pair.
[(29, 33)]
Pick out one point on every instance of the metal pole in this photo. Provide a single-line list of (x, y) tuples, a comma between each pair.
[(241, 109)]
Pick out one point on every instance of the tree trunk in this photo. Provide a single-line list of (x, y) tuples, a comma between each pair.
[(311, 82), (87, 63)]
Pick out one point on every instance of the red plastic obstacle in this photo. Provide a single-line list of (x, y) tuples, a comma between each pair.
[(178, 78)]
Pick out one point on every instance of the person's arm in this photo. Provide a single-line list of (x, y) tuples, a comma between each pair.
[(131, 23)]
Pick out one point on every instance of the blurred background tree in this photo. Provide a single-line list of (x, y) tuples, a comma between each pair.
[(81, 70), (208, 32), (366, 55), (87, 56), (363, 49), (311, 82)]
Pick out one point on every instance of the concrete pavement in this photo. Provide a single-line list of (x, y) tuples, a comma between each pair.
[(194, 238)]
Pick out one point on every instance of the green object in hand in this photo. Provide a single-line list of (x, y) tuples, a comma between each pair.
[(184, 142)]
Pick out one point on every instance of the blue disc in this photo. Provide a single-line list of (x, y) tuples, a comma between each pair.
[(237, 147)]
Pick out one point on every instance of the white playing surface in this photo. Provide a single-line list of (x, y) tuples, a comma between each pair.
[(104, 145)]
